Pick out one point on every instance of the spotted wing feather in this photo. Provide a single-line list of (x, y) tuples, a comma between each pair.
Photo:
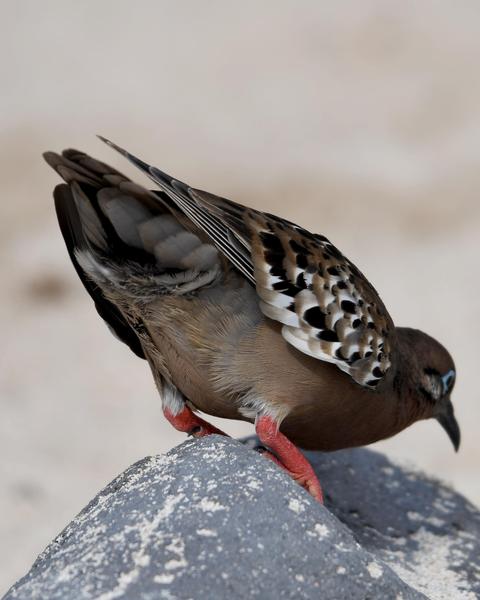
[(329, 309)]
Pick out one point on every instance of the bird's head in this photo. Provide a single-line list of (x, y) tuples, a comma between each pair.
[(431, 378)]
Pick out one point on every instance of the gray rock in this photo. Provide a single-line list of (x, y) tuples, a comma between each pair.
[(212, 519), (427, 533)]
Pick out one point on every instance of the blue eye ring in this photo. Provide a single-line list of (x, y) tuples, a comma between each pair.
[(448, 380)]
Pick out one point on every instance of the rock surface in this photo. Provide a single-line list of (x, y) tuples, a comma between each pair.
[(212, 519)]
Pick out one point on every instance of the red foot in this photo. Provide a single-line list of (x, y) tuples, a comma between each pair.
[(291, 459), (188, 422)]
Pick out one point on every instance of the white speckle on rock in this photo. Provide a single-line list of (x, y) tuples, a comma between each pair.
[(66, 574), (164, 578), (319, 530), (208, 505), (300, 578), (414, 516), (430, 571), (143, 560), (207, 532), (169, 505), (296, 506), (467, 535), (400, 541), (375, 570), (341, 570), (145, 529), (442, 506), (211, 485), (176, 546), (435, 521), (175, 563)]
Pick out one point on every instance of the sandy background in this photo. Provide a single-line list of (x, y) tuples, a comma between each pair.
[(359, 120)]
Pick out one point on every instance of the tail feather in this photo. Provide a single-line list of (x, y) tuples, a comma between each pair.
[(127, 244), (73, 234), (125, 213)]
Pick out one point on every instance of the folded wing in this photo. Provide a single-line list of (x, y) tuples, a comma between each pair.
[(328, 309)]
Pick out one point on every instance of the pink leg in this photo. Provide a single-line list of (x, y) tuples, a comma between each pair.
[(292, 460), (187, 421)]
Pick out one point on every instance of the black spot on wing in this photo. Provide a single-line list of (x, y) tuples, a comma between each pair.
[(328, 335), (273, 250), (348, 306), (300, 281), (273, 258), (302, 261), (315, 317), (278, 271), (298, 248), (271, 242), (286, 288)]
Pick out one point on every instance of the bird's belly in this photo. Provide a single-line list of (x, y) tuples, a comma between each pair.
[(221, 358), (185, 368), (198, 339)]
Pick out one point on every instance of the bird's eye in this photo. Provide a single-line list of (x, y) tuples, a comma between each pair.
[(447, 381)]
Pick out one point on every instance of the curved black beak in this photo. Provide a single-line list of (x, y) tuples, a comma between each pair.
[(448, 421)]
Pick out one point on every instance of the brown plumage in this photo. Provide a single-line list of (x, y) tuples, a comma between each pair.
[(244, 315)]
